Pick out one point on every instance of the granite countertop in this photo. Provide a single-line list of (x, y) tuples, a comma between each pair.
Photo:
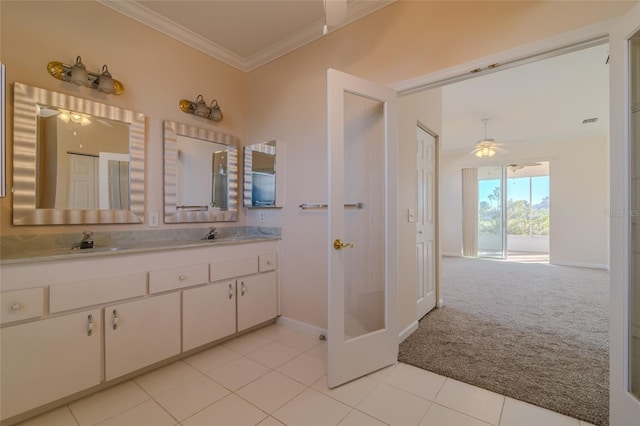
[(39, 248)]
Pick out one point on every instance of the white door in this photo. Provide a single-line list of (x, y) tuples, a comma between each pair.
[(83, 182), (363, 240), (624, 355), (425, 222)]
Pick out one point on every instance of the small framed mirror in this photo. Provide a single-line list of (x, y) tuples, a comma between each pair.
[(200, 174), (76, 161), (261, 184)]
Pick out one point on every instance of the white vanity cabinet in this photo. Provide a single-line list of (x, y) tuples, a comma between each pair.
[(257, 299), (46, 360), (83, 322), (141, 333), (208, 314)]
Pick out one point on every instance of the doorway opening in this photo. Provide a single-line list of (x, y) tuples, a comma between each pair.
[(527, 106)]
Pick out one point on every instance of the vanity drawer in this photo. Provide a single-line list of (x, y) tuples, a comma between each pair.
[(267, 262), (22, 304), (78, 294), (223, 269), (181, 276)]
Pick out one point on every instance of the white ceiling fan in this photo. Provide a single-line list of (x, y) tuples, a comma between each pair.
[(515, 167), (486, 147)]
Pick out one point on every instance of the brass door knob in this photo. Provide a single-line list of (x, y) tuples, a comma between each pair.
[(339, 244)]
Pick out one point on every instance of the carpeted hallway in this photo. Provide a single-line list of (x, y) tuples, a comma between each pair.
[(531, 331)]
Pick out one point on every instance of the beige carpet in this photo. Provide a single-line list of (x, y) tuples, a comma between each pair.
[(534, 332)]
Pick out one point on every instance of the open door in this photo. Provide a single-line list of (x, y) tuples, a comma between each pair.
[(624, 293), (362, 240)]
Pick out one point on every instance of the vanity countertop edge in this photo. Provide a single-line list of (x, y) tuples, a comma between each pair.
[(18, 254)]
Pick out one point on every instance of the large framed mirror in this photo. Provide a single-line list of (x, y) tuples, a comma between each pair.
[(200, 174), (75, 161), (262, 185)]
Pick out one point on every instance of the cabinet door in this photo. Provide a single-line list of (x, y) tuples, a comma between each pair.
[(141, 333), (257, 299), (46, 360), (208, 314)]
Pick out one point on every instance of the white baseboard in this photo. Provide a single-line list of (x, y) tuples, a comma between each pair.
[(312, 329), (451, 254), (301, 326), (582, 265), (407, 331)]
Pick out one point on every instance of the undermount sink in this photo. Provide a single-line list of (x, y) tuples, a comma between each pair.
[(232, 238), (98, 249), (62, 251)]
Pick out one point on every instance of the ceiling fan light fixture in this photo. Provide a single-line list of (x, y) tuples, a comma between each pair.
[(486, 147), (485, 151)]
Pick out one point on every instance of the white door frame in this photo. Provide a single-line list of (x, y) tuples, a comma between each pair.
[(624, 408)]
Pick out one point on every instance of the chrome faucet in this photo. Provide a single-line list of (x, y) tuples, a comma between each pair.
[(211, 235), (86, 242)]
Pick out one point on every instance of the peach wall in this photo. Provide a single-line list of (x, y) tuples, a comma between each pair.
[(286, 100), (157, 71)]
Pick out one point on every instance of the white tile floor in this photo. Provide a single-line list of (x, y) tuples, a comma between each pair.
[(276, 376)]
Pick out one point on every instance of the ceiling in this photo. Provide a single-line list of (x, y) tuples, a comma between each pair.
[(537, 102), (543, 101), (242, 33)]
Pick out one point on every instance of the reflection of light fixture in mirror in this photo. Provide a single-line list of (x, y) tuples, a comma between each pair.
[(200, 108), (74, 117), (78, 74)]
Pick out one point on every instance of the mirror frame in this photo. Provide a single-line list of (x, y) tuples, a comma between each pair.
[(171, 213), (25, 130)]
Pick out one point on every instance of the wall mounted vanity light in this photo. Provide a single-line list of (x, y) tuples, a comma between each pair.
[(78, 74), (201, 109)]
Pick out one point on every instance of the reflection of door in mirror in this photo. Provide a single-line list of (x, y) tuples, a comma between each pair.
[(220, 179), (82, 189), (70, 173), (201, 174), (113, 181)]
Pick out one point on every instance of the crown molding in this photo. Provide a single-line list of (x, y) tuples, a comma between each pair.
[(311, 33), (136, 11)]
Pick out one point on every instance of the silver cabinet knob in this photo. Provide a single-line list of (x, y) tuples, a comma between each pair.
[(182, 277), (16, 307)]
